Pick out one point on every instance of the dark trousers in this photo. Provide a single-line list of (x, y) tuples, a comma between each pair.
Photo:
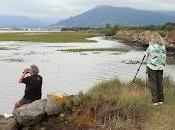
[(155, 78)]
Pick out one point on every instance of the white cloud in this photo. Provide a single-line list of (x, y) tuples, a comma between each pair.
[(67, 8)]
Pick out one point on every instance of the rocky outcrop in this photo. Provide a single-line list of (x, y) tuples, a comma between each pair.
[(170, 37), (139, 38), (134, 37), (30, 114), (38, 114), (55, 103), (60, 103)]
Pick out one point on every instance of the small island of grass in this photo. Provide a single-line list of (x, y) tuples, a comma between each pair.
[(95, 49), (4, 48), (52, 37)]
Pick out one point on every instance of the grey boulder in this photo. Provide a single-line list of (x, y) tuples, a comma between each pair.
[(30, 114)]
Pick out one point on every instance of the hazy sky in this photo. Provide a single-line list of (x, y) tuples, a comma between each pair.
[(67, 8)]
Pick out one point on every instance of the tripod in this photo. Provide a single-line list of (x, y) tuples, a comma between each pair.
[(139, 69)]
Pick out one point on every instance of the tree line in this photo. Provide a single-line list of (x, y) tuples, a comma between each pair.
[(110, 30)]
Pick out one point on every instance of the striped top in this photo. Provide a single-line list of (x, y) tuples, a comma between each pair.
[(156, 56)]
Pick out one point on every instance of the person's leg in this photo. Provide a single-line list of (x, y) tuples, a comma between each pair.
[(21, 102), (160, 85), (153, 85), (17, 105)]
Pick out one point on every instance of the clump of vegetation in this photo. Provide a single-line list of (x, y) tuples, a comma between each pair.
[(169, 61), (15, 60), (110, 30), (131, 62), (116, 105), (96, 49), (75, 29), (4, 48)]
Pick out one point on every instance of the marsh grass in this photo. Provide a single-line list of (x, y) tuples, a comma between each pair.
[(4, 48), (169, 61), (162, 117), (117, 105), (96, 50), (15, 60), (54, 37)]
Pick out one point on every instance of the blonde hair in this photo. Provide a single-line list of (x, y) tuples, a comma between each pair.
[(157, 39), (34, 70)]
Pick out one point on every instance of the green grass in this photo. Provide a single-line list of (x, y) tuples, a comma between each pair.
[(169, 61), (96, 49), (15, 60), (162, 117), (54, 37), (4, 48), (117, 105)]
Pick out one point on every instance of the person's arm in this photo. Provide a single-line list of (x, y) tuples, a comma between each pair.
[(23, 75)]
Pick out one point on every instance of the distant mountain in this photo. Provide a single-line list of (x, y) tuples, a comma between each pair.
[(101, 15), (168, 13), (9, 21)]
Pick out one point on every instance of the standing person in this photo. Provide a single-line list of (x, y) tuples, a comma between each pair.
[(156, 59), (33, 90)]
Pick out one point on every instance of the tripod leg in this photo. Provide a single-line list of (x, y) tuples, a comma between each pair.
[(146, 81), (146, 77), (139, 68)]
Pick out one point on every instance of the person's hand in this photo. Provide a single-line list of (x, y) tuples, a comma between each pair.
[(26, 70)]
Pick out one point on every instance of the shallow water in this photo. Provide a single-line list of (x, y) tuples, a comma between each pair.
[(69, 72)]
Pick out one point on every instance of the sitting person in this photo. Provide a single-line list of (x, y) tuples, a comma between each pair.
[(33, 88)]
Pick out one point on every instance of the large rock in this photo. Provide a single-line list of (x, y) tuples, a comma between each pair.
[(8, 124), (60, 102), (30, 114), (55, 102)]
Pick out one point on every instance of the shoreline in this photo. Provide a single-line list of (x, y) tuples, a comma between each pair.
[(139, 43), (108, 105)]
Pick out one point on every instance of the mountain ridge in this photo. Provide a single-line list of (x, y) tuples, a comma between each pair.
[(127, 16)]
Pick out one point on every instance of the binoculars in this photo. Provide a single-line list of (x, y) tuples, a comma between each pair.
[(27, 71)]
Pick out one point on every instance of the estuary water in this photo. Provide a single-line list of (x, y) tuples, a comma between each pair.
[(64, 71)]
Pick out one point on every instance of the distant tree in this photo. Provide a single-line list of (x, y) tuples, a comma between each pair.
[(116, 27), (169, 26), (108, 26), (111, 31)]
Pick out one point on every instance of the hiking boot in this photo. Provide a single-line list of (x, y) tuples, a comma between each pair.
[(160, 103), (156, 104)]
